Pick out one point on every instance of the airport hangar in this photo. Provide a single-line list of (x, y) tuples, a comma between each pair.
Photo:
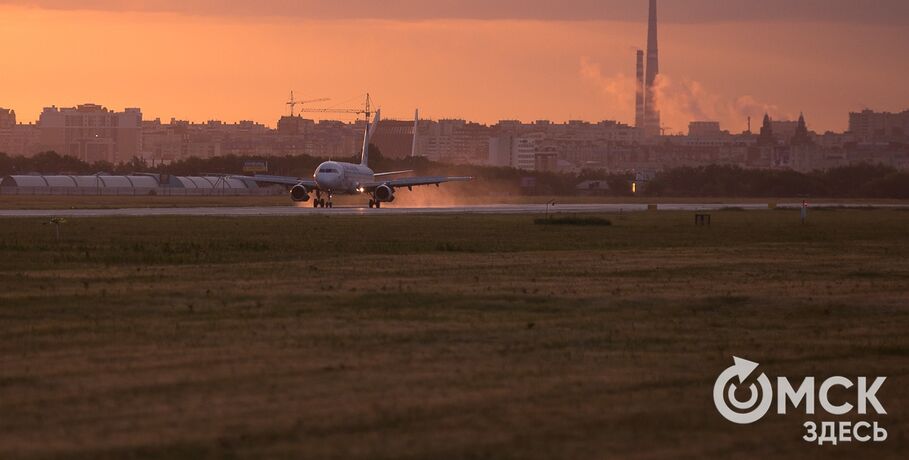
[(136, 184)]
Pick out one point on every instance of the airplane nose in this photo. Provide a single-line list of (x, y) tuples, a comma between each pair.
[(326, 180)]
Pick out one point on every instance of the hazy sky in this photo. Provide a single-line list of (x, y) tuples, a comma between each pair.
[(481, 60), (697, 11)]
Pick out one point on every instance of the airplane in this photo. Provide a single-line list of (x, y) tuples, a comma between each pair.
[(338, 177)]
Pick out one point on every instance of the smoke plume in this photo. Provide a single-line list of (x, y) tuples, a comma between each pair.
[(680, 101)]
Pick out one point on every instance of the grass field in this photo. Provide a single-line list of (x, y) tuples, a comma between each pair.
[(439, 337)]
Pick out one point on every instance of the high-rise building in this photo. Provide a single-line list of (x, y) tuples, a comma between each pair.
[(525, 149), (92, 133), (783, 130), (639, 92), (651, 103), (394, 138), (295, 125), (869, 126), (7, 118), (453, 141), (704, 129), (16, 139)]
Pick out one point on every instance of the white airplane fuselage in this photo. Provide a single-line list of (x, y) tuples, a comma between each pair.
[(336, 177)]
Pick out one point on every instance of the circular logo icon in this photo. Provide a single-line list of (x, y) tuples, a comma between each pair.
[(742, 412)]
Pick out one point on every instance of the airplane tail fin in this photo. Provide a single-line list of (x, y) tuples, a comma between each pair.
[(367, 136), (416, 121)]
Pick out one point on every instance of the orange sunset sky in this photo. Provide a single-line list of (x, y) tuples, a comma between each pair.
[(198, 60)]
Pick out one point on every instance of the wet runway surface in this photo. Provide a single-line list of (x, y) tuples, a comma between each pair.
[(363, 211)]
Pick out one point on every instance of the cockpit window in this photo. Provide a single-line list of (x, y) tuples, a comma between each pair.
[(328, 171)]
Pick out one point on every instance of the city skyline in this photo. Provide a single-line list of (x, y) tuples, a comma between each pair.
[(241, 68)]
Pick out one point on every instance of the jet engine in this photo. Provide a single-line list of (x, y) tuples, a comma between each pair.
[(299, 194), (385, 194)]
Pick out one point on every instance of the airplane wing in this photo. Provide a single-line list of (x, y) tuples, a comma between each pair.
[(411, 182), (393, 173), (280, 180)]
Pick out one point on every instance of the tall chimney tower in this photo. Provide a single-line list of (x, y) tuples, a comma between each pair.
[(639, 96), (651, 112)]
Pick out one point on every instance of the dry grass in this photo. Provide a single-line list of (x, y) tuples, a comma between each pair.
[(438, 337)]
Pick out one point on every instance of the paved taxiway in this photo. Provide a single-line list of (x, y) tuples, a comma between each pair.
[(362, 211)]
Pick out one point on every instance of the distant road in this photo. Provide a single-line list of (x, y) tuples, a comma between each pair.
[(266, 211)]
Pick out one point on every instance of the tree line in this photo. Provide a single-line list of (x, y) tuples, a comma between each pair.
[(856, 181)]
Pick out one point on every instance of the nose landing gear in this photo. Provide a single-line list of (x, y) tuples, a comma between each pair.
[(319, 202)]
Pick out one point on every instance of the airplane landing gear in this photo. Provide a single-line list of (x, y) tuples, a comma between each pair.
[(319, 202), (374, 204)]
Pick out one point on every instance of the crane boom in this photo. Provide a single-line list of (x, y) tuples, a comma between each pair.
[(366, 110), (293, 103)]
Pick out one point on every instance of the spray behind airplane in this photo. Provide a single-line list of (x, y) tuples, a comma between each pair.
[(342, 178)]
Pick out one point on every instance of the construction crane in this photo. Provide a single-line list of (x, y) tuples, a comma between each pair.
[(292, 103), (366, 110)]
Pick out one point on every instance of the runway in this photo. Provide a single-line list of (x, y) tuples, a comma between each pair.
[(283, 211)]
